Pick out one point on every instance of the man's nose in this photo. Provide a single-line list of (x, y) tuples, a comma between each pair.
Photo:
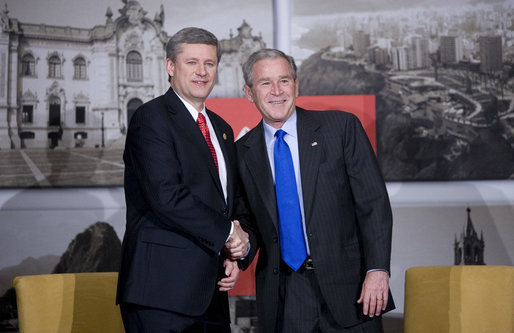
[(276, 89), (201, 70)]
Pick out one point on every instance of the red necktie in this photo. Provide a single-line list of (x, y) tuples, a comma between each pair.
[(205, 131)]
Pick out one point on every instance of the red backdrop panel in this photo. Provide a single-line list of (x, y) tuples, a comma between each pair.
[(242, 115)]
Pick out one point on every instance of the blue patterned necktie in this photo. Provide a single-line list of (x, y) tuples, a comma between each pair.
[(292, 243)]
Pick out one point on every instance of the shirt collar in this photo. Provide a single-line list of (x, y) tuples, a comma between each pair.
[(289, 127), (191, 108)]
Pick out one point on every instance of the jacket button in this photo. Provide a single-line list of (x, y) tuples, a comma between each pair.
[(275, 239), (275, 270)]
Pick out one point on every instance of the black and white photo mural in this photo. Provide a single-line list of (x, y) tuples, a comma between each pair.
[(69, 84)]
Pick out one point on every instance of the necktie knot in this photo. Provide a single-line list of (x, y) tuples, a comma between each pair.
[(280, 134), (201, 120)]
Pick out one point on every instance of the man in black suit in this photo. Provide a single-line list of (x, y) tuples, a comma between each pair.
[(340, 282), (180, 241)]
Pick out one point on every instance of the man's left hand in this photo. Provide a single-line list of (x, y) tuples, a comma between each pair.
[(375, 292), (232, 273)]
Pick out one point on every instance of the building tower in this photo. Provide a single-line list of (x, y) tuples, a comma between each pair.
[(234, 52), (491, 54), (450, 49), (421, 52), (469, 249), (361, 43)]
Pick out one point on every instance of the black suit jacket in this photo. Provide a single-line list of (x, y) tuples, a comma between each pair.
[(347, 212), (177, 217)]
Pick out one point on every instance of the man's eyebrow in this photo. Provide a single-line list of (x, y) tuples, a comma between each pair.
[(280, 78), (264, 79), (198, 59)]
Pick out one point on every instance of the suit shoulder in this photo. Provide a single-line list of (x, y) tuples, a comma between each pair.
[(332, 117), (330, 114), (241, 141), (221, 124), (151, 108), (213, 116)]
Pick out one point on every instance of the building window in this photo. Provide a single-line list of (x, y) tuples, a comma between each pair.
[(54, 67), (28, 65), (80, 114), (27, 135), (134, 66), (27, 114), (54, 114), (80, 69)]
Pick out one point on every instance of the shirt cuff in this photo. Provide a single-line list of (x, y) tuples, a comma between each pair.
[(231, 231), (378, 269)]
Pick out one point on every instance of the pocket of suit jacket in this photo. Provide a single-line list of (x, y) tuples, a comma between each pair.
[(164, 237)]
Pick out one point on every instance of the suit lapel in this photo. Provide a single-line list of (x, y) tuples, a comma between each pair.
[(190, 130), (257, 162), (310, 144), (222, 140)]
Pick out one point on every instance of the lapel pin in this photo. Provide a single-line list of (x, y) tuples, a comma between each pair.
[(315, 143), (224, 136)]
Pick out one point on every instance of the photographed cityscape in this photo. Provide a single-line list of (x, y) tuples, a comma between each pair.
[(443, 79)]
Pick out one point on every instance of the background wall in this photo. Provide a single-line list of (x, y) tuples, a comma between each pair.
[(427, 219)]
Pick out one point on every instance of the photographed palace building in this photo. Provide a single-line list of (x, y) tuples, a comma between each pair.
[(75, 87)]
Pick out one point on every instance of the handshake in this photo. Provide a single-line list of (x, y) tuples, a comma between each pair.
[(237, 244)]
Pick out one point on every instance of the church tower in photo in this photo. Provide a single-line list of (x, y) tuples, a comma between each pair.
[(469, 248)]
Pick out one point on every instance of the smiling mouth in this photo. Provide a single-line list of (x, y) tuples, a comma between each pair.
[(277, 102), (200, 82)]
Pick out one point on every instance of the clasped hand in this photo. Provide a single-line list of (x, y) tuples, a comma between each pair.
[(236, 246)]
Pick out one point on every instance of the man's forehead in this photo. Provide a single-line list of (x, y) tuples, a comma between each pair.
[(189, 50)]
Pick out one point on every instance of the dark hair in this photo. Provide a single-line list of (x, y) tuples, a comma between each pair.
[(191, 35), (261, 55)]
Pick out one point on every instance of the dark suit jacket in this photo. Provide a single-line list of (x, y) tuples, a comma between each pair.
[(347, 211), (177, 218)]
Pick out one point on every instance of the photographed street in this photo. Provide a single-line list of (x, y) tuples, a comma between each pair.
[(39, 167)]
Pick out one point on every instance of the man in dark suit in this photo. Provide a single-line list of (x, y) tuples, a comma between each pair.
[(181, 195), (340, 281)]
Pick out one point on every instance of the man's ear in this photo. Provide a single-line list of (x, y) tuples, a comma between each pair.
[(248, 92), (170, 67)]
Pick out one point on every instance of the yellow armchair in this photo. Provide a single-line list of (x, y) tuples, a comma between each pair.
[(459, 299), (71, 302)]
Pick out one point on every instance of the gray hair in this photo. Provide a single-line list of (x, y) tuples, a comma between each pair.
[(263, 54), (191, 35)]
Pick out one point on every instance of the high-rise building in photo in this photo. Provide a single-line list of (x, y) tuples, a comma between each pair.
[(491, 54), (361, 42), (421, 52), (450, 49)]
